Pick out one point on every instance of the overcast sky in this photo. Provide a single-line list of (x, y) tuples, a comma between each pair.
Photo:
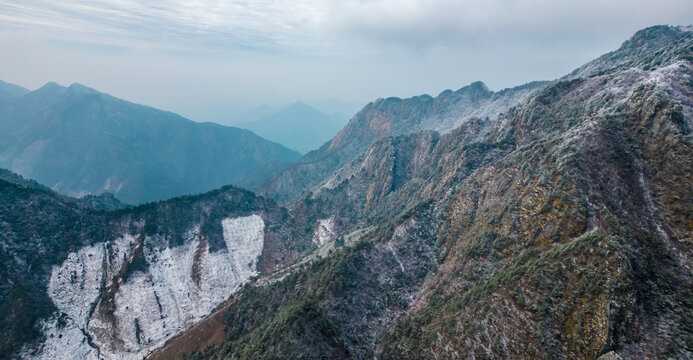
[(200, 57)]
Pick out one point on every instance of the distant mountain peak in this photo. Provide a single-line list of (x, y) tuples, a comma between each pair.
[(76, 88), (81, 89), (297, 126), (51, 85), (48, 90), (475, 87), (299, 106)]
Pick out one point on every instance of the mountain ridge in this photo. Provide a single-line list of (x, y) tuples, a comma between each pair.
[(374, 121), (8, 90), (104, 201), (80, 141)]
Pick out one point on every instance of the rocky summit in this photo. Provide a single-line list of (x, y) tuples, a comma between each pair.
[(552, 220)]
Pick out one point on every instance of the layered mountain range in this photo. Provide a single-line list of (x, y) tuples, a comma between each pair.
[(552, 220), (79, 141)]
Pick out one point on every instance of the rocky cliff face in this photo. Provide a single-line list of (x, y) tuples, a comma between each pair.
[(561, 227), (392, 117)]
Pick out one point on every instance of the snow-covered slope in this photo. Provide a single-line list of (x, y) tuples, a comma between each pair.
[(111, 312)]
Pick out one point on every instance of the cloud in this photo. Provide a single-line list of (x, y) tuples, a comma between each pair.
[(178, 53), (167, 24), (423, 23), (322, 26)]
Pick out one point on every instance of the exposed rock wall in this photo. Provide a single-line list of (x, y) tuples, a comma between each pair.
[(392, 117), (104, 314), (564, 226)]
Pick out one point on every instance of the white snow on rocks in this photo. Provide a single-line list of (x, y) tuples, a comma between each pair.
[(465, 108), (324, 232), (74, 287), (244, 241), (117, 252), (65, 341), (76, 284), (180, 287)]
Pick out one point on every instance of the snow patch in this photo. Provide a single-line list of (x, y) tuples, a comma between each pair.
[(324, 232), (244, 239), (76, 284)]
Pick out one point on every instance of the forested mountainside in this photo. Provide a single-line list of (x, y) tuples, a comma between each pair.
[(76, 282), (558, 228), (79, 141), (561, 229)]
